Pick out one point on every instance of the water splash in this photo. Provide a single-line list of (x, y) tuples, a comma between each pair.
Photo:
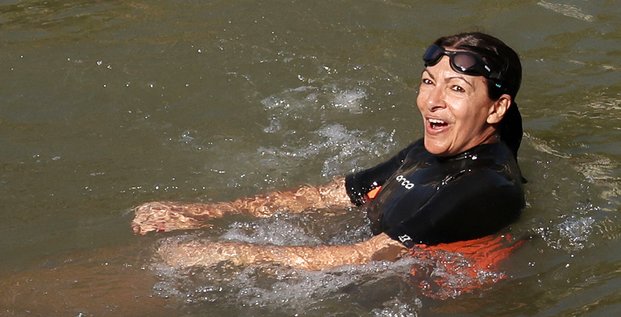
[(397, 308), (378, 287), (571, 234), (350, 100), (571, 224), (277, 289), (340, 148), (267, 231)]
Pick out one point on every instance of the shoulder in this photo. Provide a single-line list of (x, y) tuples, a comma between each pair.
[(484, 174), (488, 190)]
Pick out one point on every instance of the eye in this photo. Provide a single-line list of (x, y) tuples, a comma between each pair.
[(427, 81), (457, 88)]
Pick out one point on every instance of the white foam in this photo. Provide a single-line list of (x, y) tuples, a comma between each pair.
[(341, 148), (350, 100), (351, 144), (298, 290), (397, 308)]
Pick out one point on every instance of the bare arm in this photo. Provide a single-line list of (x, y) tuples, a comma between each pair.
[(168, 216), (196, 253)]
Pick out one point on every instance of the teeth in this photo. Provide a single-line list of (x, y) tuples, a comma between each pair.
[(436, 121)]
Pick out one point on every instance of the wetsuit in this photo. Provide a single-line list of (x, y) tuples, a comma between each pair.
[(429, 199)]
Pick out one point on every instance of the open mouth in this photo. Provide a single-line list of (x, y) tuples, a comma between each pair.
[(437, 123)]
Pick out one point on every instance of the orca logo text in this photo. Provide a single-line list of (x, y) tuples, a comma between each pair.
[(405, 182)]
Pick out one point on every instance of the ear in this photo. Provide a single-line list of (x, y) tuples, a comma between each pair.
[(498, 109)]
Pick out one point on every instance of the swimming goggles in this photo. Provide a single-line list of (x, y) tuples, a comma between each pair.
[(463, 62)]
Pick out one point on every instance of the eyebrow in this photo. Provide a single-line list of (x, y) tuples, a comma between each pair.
[(462, 78), (428, 73), (448, 78)]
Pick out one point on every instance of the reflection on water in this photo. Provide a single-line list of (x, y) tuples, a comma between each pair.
[(106, 105), (108, 282), (567, 10)]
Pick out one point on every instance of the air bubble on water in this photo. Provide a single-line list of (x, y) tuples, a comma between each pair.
[(576, 231), (274, 126), (397, 308), (328, 69), (186, 137), (571, 234)]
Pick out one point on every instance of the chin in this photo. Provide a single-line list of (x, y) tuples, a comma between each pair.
[(434, 148)]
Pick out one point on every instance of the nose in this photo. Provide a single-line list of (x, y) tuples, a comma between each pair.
[(435, 99)]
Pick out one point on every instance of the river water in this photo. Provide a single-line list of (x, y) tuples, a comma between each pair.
[(108, 104)]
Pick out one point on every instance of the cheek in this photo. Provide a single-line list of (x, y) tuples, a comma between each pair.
[(461, 113), (466, 108), (420, 100), (470, 118)]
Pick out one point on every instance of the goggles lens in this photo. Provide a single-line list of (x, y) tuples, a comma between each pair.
[(461, 61)]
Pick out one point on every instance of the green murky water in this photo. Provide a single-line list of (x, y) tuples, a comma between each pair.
[(108, 104)]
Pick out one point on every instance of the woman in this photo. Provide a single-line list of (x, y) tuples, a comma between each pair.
[(459, 182)]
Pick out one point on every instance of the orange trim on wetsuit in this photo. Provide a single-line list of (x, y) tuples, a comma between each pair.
[(484, 253), (450, 269), (373, 193)]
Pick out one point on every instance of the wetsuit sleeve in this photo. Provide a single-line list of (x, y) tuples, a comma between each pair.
[(472, 206), (360, 183)]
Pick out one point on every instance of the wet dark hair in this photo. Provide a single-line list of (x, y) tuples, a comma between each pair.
[(499, 57)]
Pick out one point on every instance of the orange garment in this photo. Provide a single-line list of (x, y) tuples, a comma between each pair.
[(448, 270)]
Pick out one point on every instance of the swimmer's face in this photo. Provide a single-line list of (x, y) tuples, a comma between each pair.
[(456, 110)]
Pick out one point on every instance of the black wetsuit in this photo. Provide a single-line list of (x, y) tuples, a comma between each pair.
[(430, 199)]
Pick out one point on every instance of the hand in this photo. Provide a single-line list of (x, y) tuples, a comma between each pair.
[(162, 217)]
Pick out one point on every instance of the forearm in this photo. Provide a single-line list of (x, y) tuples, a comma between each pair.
[(168, 216), (331, 195), (196, 253), (380, 247)]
